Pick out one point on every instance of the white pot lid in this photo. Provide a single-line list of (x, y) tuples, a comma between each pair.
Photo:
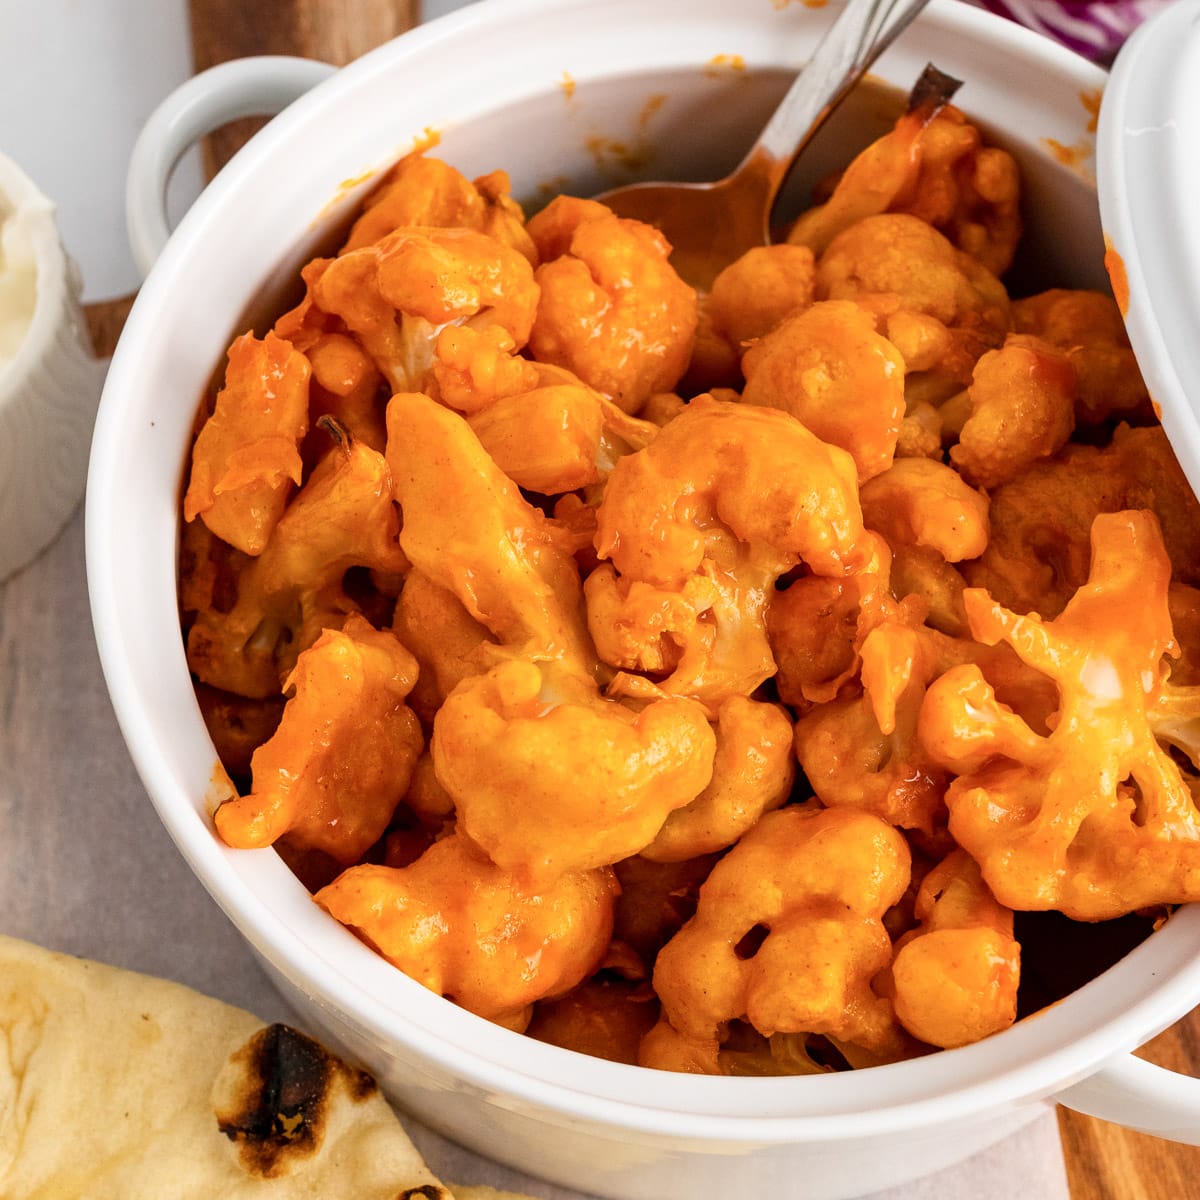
[(1148, 158)]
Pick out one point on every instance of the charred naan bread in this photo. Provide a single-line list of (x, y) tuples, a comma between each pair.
[(118, 1086)]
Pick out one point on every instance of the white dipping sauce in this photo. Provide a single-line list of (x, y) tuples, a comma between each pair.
[(18, 281)]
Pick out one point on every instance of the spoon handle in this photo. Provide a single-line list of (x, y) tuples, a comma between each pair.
[(861, 33)]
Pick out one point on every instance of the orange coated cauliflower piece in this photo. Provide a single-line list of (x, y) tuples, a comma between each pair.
[(698, 526), (612, 310), (788, 936), (332, 774), (1022, 409), (508, 746), (758, 472), (429, 192), (606, 1018), (748, 298), (396, 295), (246, 458), (447, 642), (955, 976), (938, 306), (347, 387), (501, 557), (1088, 328), (757, 291), (1094, 817), (467, 929), (342, 517), (862, 751), (829, 368), (816, 626), (921, 502), (1039, 546), (753, 770), (932, 164), (558, 435)]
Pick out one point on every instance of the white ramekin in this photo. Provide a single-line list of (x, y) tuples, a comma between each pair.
[(544, 88), (48, 389)]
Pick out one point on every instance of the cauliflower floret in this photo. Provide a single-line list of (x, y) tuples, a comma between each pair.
[(748, 299), (1022, 409), (937, 305), (698, 526), (342, 517), (757, 471), (606, 1018), (955, 976), (1088, 327), (500, 556), (753, 770), (1038, 549), (332, 774), (447, 642), (932, 164), (246, 458), (920, 502), (829, 368), (429, 192), (788, 936), (397, 294), (862, 751), (507, 746), (1093, 817), (465, 928), (347, 387), (922, 574), (816, 627), (612, 309), (558, 434)]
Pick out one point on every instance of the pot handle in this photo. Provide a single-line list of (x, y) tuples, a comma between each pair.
[(1133, 1092), (261, 85)]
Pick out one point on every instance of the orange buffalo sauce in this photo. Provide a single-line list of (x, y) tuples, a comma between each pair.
[(1114, 264)]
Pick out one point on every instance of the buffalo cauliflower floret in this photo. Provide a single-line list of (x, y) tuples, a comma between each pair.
[(246, 458), (1022, 409), (934, 165), (612, 308), (1088, 328), (1039, 545), (753, 769), (396, 295), (468, 529), (1093, 817), (331, 775), (699, 525), (429, 192), (788, 936), (829, 368), (955, 976), (342, 517), (465, 928), (507, 746), (937, 305), (920, 502)]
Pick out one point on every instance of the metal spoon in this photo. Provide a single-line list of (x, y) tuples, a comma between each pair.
[(711, 224)]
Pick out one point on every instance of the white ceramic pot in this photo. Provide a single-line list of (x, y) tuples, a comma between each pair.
[(492, 81)]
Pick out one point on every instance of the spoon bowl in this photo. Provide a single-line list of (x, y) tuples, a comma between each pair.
[(711, 224)]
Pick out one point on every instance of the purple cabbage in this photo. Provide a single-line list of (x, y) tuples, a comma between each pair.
[(1094, 28)]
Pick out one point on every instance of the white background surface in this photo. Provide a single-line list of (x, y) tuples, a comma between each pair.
[(77, 80)]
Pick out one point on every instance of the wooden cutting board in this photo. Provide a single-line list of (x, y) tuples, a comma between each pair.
[(1104, 1162)]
